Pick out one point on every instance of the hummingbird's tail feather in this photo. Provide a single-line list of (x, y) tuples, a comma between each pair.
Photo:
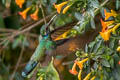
[(29, 68)]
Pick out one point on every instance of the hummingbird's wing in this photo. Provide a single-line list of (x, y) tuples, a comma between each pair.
[(60, 33)]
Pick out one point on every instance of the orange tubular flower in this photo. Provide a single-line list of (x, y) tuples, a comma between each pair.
[(20, 2), (108, 14), (105, 31), (106, 35), (106, 24), (87, 77), (34, 16), (66, 9), (59, 6), (24, 13), (73, 70), (80, 63)]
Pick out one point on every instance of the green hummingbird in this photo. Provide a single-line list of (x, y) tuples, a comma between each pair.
[(45, 44)]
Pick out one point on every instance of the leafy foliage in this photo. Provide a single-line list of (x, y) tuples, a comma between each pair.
[(48, 73), (20, 24)]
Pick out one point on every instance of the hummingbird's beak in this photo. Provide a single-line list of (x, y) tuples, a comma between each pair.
[(51, 20)]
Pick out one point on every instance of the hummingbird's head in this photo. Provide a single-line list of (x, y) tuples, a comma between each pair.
[(44, 30)]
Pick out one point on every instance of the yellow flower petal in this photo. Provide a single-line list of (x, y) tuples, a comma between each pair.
[(79, 75), (118, 49), (106, 35), (63, 36), (87, 77), (41, 78), (113, 12), (115, 27), (80, 63), (65, 9), (93, 78)]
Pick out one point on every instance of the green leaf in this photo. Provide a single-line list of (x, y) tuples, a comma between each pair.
[(105, 63), (100, 51), (48, 73), (111, 62), (3, 1), (102, 11), (109, 51), (92, 23), (117, 4), (78, 16), (44, 2), (94, 3), (112, 43), (53, 71), (53, 1), (97, 46), (91, 46)]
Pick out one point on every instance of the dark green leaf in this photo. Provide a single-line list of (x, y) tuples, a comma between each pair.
[(48, 73), (91, 46), (53, 71), (105, 63), (100, 51), (53, 1), (78, 16), (92, 23), (112, 43), (111, 62), (97, 46)]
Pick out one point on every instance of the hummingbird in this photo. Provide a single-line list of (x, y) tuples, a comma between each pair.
[(46, 44)]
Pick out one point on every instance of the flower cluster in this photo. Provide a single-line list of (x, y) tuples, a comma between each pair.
[(34, 15), (60, 6), (80, 65), (109, 26)]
